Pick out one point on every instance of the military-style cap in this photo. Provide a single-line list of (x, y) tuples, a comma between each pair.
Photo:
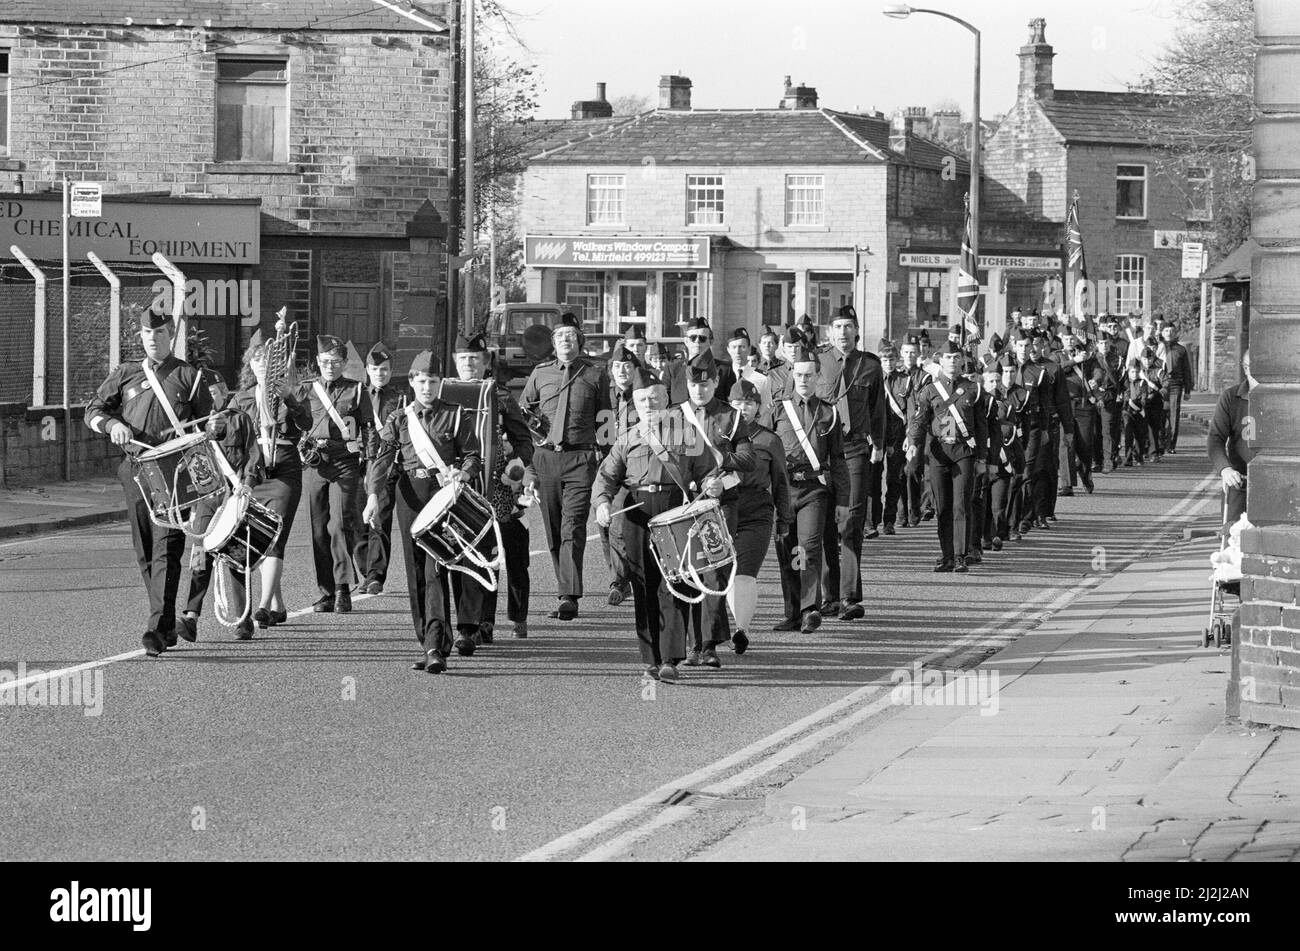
[(658, 349), (954, 331), (634, 332), (1007, 361), (425, 362), (803, 354), (254, 341), (378, 356), (466, 344), (325, 343), (996, 343), (698, 323), (912, 340), (151, 320), (621, 354), (702, 367), (792, 334), (887, 351), (948, 346), (846, 312), (740, 333), (743, 389), (925, 335), (644, 378), (568, 319)]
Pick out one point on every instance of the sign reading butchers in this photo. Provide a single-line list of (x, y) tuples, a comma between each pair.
[(193, 231), (663, 251)]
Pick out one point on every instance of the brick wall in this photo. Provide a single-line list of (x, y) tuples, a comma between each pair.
[(1269, 647), (28, 458), (1025, 166)]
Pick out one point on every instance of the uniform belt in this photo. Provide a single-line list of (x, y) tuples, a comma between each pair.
[(653, 489), (570, 447), (805, 475)]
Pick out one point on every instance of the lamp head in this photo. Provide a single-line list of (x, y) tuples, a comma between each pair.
[(899, 11)]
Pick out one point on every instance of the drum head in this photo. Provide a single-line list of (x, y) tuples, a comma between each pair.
[(224, 523), (700, 506), (175, 444), (671, 516), (436, 509)]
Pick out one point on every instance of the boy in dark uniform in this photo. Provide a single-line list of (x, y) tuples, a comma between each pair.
[(330, 484), (1136, 395), (1035, 421), (127, 407), (380, 398), (418, 478), (946, 408), (898, 395), (621, 417)]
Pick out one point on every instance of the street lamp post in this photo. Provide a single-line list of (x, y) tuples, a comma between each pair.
[(901, 11)]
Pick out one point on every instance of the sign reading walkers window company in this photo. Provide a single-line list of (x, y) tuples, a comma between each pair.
[(1011, 261), (664, 251), (194, 231)]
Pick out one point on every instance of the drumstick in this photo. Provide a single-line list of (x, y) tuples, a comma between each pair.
[(626, 509)]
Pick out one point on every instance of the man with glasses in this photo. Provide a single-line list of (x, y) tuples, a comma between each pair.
[(571, 395), (699, 338), (331, 481)]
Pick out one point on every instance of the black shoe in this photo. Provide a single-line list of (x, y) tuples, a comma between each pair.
[(169, 638), (1098, 467), (831, 607), (278, 617), (667, 673), (926, 516), (434, 663), (262, 617), (188, 628), (943, 566), (739, 642), (373, 586), (153, 643), (1051, 518), (853, 612), (486, 631), (811, 621), (1041, 522), (789, 624), (465, 645), (889, 529), (652, 671), (343, 599), (521, 629), (568, 609), (960, 565), (997, 544), (1089, 486), (324, 605), (711, 658), (873, 532), (1024, 527), (975, 557), (1066, 491), (244, 630), (618, 593), (1016, 536), (914, 522)]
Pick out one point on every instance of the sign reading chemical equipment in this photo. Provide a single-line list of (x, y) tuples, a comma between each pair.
[(185, 231), (86, 200), (670, 252)]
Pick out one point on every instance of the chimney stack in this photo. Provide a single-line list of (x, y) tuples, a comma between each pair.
[(899, 131), (1036, 63), (674, 93), (597, 108), (920, 119), (799, 97)]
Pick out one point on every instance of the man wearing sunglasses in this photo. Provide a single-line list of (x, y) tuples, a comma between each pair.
[(699, 338)]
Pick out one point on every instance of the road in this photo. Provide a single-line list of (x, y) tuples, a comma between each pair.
[(315, 740)]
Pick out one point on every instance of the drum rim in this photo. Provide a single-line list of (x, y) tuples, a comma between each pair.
[(422, 521), (678, 512), (217, 522), (172, 445)]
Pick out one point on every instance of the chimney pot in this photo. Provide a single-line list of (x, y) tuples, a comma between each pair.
[(675, 93), (1036, 63), (600, 92)]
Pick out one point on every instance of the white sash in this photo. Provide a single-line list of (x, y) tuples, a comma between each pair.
[(423, 445), (961, 423), (893, 403), (374, 414), (266, 427), (161, 397), (793, 413), (323, 395), (689, 412)]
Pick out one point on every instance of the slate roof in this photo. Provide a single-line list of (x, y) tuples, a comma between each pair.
[(228, 14), (1111, 118), (1235, 268), (743, 137), (546, 135)]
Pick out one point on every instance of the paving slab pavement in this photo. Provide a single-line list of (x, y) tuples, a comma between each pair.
[(54, 506)]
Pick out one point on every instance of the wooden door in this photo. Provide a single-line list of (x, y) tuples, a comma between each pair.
[(352, 313)]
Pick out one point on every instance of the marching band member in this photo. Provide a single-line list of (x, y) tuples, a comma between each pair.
[(897, 390), (1062, 416), (233, 432), (415, 440), (1007, 457), (656, 462), (699, 339), (138, 402), (476, 607), (917, 505), (333, 469), (1157, 379), (1083, 379), (779, 376), (622, 417), (1035, 421), (742, 355), (981, 497), (761, 490), (277, 465), (946, 409), (634, 342), (723, 438), (656, 357), (1136, 395), (769, 350), (380, 398), (570, 394), (813, 440), (853, 381)]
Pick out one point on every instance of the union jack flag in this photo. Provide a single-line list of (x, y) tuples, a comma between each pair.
[(1077, 263), (968, 285)]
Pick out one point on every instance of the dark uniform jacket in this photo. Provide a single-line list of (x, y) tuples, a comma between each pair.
[(1136, 394), (854, 382), (675, 379), (376, 406), (586, 388), (345, 396), (1083, 381), (1057, 395), (1227, 442), (1179, 364), (293, 418), (899, 391), (634, 462), (769, 476), (933, 417), (622, 417), (126, 397), (1112, 356), (452, 436), (1035, 410), (821, 426), (1004, 430), (728, 435)]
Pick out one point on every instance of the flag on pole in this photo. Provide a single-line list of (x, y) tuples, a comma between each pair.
[(1077, 263), (968, 285)]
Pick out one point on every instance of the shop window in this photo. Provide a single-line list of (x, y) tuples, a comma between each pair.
[(605, 199), (927, 297), (1130, 283), (827, 293), (1130, 191), (252, 110), (681, 303), (704, 200), (4, 102), (1200, 194), (582, 296), (805, 200)]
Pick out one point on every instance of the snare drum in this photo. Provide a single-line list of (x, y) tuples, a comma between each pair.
[(242, 531), (459, 530), (177, 475), (689, 540)]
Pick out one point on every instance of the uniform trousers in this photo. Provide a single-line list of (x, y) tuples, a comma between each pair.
[(1079, 451), (710, 615), (1036, 446), (951, 484), (564, 481), (374, 548), (612, 543), (331, 490), (157, 551), (1173, 416), (1111, 412), (981, 504), (202, 564), (661, 619), (875, 512), (426, 580), (1053, 461), (1135, 436), (799, 549), (475, 605), (897, 487), (1155, 410), (842, 534), (999, 481)]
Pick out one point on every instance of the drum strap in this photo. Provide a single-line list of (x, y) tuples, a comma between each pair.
[(162, 399), (666, 460), (423, 445), (689, 412), (956, 414), (792, 412), (323, 395)]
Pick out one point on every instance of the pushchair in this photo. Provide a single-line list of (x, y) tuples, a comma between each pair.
[(1225, 583)]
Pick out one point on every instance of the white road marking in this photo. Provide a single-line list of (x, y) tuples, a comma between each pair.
[(1057, 598)]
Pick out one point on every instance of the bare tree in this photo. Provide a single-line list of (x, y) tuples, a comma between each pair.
[(630, 105)]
